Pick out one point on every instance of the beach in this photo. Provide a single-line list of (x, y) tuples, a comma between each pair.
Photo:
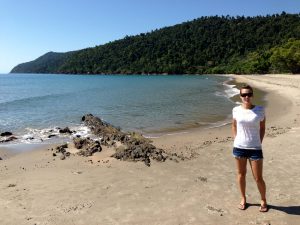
[(37, 188)]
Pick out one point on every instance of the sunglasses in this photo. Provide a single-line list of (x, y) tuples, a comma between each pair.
[(246, 94)]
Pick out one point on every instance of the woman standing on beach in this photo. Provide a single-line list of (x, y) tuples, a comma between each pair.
[(248, 128)]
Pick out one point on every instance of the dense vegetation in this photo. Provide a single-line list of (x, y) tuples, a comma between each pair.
[(48, 63), (262, 44)]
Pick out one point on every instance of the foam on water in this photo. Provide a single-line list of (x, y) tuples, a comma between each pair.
[(50, 135)]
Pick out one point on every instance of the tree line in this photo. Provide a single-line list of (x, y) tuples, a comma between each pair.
[(207, 45)]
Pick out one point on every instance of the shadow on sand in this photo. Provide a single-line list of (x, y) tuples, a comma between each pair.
[(292, 210)]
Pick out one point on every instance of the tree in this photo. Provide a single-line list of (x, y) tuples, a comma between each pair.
[(286, 58)]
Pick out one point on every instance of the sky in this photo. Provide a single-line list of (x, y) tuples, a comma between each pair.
[(31, 28)]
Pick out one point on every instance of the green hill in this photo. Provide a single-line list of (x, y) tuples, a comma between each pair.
[(261, 44), (47, 63)]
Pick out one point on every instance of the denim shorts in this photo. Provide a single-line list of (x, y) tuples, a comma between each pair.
[(252, 154)]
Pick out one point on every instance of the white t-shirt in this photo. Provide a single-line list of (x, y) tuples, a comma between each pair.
[(248, 127)]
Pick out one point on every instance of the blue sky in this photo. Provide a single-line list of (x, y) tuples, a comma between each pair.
[(30, 28)]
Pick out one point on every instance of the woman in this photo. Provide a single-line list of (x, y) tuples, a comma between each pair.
[(248, 128)]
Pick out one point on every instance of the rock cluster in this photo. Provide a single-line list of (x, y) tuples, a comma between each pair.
[(6, 137), (87, 146), (62, 151), (141, 152), (129, 146), (135, 146)]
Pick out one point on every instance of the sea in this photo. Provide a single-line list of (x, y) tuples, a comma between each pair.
[(34, 106)]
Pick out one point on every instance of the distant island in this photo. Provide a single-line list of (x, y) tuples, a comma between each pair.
[(207, 45)]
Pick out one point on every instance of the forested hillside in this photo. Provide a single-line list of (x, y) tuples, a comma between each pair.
[(47, 63), (262, 44)]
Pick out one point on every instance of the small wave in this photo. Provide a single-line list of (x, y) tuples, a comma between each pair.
[(229, 90)]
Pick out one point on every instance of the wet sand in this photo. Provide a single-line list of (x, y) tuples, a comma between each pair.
[(37, 188)]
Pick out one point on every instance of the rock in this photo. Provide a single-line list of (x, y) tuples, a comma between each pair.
[(65, 130), (88, 146), (1, 158), (147, 162), (140, 153), (6, 133), (61, 148), (102, 129), (51, 135), (64, 145), (62, 157), (90, 149), (79, 142)]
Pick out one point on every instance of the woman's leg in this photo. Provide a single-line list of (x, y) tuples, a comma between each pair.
[(257, 171), (241, 178)]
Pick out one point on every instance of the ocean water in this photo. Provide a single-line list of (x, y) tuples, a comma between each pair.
[(32, 106)]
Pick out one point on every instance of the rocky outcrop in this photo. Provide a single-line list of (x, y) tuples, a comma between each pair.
[(103, 129), (136, 147), (129, 146)]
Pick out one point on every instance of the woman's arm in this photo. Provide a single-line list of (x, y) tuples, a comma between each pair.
[(233, 128), (262, 129)]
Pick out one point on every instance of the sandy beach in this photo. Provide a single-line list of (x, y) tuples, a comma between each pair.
[(37, 188)]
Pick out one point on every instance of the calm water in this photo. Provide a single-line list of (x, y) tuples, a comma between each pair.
[(32, 103)]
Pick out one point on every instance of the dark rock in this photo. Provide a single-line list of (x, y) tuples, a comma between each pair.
[(102, 129), (62, 157), (88, 146), (91, 149), (65, 130), (6, 133), (1, 158), (61, 148), (80, 142), (147, 162), (51, 135), (64, 145), (141, 153)]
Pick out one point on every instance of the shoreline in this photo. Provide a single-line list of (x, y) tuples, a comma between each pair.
[(184, 130), (204, 131), (35, 136), (39, 188)]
